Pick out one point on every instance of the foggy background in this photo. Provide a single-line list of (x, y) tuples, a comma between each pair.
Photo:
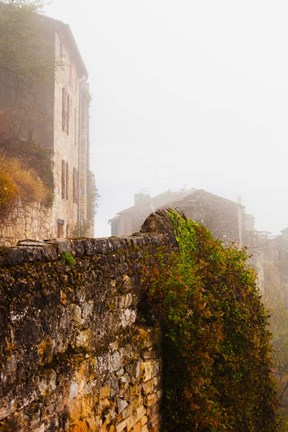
[(186, 94)]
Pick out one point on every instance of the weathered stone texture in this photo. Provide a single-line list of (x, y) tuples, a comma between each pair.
[(5, 125), (73, 354), (33, 221)]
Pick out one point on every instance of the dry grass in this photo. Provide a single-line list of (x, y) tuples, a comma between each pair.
[(19, 184), (8, 191)]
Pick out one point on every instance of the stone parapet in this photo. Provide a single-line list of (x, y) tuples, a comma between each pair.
[(75, 355)]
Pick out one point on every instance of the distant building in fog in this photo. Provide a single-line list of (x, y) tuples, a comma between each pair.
[(228, 222), (130, 220), (226, 219), (276, 252), (57, 118)]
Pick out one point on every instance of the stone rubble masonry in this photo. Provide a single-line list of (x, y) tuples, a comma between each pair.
[(74, 355), (31, 221)]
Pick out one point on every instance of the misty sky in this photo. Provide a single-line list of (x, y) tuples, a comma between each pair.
[(186, 93)]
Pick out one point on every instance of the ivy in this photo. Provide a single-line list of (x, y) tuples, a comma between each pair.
[(216, 346)]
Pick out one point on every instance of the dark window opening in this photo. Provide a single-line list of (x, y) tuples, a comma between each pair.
[(63, 179), (66, 106), (67, 182)]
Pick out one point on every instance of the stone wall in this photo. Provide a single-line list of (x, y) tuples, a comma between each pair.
[(70, 137), (33, 221), (74, 354)]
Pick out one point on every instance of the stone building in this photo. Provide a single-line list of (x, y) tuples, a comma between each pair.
[(223, 217), (130, 220), (53, 113), (226, 219), (275, 259)]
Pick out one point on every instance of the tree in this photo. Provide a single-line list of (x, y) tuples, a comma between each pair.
[(27, 61), (26, 68)]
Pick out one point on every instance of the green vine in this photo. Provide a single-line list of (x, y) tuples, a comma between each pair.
[(217, 354)]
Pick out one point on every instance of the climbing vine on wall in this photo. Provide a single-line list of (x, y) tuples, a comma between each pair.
[(217, 354)]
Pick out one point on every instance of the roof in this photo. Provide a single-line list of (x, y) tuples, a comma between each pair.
[(156, 201), (196, 194), (176, 199), (65, 31)]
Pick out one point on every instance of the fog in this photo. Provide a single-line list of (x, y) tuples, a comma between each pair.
[(186, 94)]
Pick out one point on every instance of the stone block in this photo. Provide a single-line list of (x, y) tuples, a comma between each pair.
[(130, 421), (121, 405), (114, 387), (40, 428), (140, 412), (137, 427), (75, 313), (73, 392), (121, 426), (83, 338), (144, 420), (151, 399), (47, 384), (149, 386), (128, 317), (149, 369), (104, 392), (115, 362)]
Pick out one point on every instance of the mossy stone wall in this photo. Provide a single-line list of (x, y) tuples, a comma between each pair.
[(75, 355)]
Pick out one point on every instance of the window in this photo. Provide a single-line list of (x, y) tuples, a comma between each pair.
[(63, 109), (66, 106), (67, 182), (75, 185), (60, 228), (63, 180), (75, 126), (68, 114)]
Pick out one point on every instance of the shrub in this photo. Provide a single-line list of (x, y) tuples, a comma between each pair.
[(32, 157), (19, 183), (30, 186), (8, 191), (217, 354)]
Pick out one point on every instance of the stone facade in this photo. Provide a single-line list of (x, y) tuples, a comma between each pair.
[(274, 254), (224, 218), (74, 354), (55, 116), (26, 222), (71, 142), (131, 219)]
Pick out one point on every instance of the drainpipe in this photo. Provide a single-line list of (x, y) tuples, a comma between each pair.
[(79, 150)]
